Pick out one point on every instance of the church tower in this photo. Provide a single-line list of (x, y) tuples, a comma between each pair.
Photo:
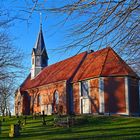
[(39, 55)]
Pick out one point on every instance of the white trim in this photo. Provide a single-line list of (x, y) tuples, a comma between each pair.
[(101, 95), (38, 67), (121, 113), (127, 95), (80, 96), (89, 96)]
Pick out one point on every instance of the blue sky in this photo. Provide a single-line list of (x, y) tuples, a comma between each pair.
[(25, 32)]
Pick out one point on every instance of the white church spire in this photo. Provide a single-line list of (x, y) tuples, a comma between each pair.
[(39, 54)]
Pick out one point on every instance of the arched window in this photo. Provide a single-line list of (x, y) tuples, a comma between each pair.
[(84, 88), (56, 97), (55, 101), (38, 100)]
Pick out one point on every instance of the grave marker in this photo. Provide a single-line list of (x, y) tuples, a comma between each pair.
[(19, 124), (17, 116), (14, 131), (43, 118), (9, 114), (25, 118), (3, 119)]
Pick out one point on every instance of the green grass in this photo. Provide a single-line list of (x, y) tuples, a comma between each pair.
[(86, 127)]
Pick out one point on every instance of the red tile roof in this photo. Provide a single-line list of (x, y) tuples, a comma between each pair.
[(104, 62), (114, 65), (57, 72)]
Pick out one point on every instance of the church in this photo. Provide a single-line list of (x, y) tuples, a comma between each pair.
[(88, 83)]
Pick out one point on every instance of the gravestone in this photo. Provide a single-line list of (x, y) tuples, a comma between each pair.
[(34, 116), (14, 131), (25, 118), (9, 114), (17, 116), (3, 119), (19, 123), (43, 118)]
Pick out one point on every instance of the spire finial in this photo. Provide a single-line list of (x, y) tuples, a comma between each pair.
[(41, 21)]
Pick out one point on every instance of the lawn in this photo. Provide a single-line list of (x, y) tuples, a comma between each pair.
[(86, 127)]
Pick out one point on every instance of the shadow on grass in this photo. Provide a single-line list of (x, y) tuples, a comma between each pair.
[(86, 128), (133, 136), (71, 134)]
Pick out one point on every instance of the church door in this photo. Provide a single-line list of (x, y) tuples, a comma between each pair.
[(85, 101), (85, 106), (49, 109)]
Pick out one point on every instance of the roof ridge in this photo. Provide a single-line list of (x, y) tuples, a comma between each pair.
[(124, 64), (65, 59), (105, 60)]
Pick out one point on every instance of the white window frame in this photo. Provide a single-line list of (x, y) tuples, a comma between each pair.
[(101, 95), (127, 95), (84, 97)]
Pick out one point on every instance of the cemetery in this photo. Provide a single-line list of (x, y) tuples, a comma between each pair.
[(70, 70), (42, 127)]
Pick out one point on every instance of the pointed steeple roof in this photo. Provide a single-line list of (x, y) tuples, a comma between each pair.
[(40, 44)]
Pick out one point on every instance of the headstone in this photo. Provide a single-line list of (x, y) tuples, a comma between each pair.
[(43, 118), (14, 131), (34, 116), (25, 118), (3, 119), (43, 113), (19, 124), (17, 116), (9, 114)]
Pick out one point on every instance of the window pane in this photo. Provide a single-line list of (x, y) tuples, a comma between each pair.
[(56, 97), (39, 100), (84, 88)]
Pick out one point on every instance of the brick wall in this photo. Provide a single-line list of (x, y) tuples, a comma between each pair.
[(94, 95), (114, 94), (134, 96), (76, 98), (47, 96)]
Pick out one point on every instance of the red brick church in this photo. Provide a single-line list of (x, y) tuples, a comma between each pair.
[(88, 83)]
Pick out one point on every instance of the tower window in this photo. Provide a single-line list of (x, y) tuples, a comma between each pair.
[(33, 61), (44, 61), (38, 60)]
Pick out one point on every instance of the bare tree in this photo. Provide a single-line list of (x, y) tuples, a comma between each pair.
[(11, 66), (6, 95), (10, 57), (99, 23)]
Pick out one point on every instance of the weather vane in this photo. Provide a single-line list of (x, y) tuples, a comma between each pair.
[(40, 20)]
